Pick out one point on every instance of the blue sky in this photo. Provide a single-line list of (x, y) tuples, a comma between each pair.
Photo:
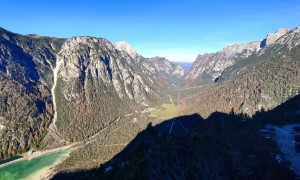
[(176, 29)]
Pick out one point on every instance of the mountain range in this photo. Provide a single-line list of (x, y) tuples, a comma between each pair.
[(58, 91), (247, 77)]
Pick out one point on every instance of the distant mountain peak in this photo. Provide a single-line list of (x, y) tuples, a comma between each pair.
[(238, 48), (126, 47), (272, 37), (213, 64), (164, 65), (282, 31)]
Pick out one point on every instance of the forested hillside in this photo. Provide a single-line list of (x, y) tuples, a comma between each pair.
[(263, 80), (222, 146), (75, 86)]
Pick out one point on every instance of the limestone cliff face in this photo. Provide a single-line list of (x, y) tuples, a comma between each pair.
[(124, 46), (97, 59), (265, 79), (97, 83), (272, 37), (209, 67), (166, 67), (78, 84), (156, 65)]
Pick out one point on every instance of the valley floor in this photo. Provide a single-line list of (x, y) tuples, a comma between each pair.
[(111, 140)]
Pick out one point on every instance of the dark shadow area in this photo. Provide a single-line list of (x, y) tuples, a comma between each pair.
[(263, 43), (41, 106), (223, 146), (106, 60), (18, 63)]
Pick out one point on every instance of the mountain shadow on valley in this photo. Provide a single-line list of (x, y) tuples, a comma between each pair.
[(223, 146)]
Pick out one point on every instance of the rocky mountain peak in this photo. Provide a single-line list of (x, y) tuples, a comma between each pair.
[(272, 37), (213, 64), (126, 47), (239, 48), (282, 31), (296, 29), (164, 65)]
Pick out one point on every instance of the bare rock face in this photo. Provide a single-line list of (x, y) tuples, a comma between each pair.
[(105, 81), (165, 66), (212, 65), (291, 38), (78, 85), (86, 57), (209, 67), (126, 47), (178, 71), (272, 37), (157, 64), (264, 79)]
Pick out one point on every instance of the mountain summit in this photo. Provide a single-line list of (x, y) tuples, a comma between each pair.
[(272, 37), (126, 47), (251, 79), (210, 66)]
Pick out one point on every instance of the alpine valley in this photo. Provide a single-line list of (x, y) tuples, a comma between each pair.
[(115, 114)]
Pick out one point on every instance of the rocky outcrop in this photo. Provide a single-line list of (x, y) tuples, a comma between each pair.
[(78, 85), (126, 47), (165, 66), (105, 81), (86, 57), (263, 80), (209, 67), (157, 65), (272, 37)]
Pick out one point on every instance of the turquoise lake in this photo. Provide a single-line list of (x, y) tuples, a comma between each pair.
[(31, 169)]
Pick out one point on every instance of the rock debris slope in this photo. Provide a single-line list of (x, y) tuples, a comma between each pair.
[(166, 67)]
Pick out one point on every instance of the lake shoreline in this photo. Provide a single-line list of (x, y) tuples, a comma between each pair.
[(48, 171), (41, 167), (38, 154)]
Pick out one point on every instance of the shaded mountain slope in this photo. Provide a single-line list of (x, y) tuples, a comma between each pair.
[(223, 146), (26, 103)]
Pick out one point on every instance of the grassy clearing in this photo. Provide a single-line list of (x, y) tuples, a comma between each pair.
[(165, 111)]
